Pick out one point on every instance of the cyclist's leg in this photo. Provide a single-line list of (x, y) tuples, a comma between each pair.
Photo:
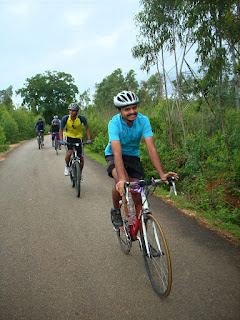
[(58, 139), (67, 157), (53, 136), (80, 153), (115, 194), (135, 172)]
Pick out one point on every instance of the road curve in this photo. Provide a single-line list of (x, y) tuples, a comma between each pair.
[(60, 258)]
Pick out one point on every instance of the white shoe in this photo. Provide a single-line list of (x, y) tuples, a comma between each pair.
[(66, 172)]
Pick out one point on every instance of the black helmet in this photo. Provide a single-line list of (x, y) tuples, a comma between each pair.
[(40, 118), (73, 106)]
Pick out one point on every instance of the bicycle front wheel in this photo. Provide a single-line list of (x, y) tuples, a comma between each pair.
[(77, 179), (39, 142), (56, 145), (156, 256), (123, 233)]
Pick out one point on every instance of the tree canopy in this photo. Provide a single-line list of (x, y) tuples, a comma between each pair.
[(49, 93)]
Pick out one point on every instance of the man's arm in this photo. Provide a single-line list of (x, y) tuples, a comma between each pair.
[(121, 173), (61, 134), (88, 132)]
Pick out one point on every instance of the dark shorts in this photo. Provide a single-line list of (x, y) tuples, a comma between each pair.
[(55, 134), (79, 148), (132, 165)]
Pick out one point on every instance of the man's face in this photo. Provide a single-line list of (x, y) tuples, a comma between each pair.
[(73, 113), (129, 113)]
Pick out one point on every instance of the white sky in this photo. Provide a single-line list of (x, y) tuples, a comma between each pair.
[(85, 38)]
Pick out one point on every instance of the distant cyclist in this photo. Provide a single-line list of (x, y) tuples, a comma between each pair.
[(73, 124), (40, 124), (54, 130), (55, 118)]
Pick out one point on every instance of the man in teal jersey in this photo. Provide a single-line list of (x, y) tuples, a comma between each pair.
[(123, 150)]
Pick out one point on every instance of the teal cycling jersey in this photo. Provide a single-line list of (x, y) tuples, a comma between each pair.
[(129, 137)]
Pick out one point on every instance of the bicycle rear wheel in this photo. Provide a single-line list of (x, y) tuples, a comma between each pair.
[(56, 145), (77, 179), (156, 256), (123, 233)]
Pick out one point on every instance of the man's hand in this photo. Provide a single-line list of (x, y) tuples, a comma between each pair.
[(120, 187), (168, 175)]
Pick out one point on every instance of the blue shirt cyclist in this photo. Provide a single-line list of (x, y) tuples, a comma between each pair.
[(122, 153)]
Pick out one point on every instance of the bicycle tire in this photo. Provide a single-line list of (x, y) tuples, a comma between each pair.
[(77, 179), (41, 142), (158, 265), (72, 175), (38, 142), (56, 145), (123, 233)]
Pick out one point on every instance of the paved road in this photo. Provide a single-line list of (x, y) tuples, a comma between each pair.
[(60, 258)]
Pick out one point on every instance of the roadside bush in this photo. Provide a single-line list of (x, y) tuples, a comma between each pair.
[(9, 126)]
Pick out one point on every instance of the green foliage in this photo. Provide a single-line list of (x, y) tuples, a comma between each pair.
[(3, 147), (26, 122), (110, 87), (9, 126), (100, 143), (6, 98), (49, 94)]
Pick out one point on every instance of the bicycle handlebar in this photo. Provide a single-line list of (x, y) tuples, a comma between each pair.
[(154, 182), (74, 144)]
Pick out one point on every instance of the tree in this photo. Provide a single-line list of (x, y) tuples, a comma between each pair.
[(6, 98), (49, 93), (211, 23), (159, 26), (84, 99), (131, 82), (110, 87)]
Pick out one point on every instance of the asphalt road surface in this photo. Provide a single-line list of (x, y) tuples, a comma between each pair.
[(60, 258)]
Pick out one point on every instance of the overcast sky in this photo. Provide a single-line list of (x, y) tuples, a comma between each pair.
[(85, 38)]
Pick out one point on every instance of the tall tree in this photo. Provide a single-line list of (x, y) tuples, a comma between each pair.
[(110, 86), (158, 22), (6, 98), (49, 93)]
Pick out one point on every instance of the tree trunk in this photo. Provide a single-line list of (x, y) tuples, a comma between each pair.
[(179, 104), (167, 102)]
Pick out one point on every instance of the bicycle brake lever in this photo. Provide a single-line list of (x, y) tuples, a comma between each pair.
[(174, 188)]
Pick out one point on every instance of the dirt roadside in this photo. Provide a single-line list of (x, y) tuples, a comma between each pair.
[(228, 236), (12, 146)]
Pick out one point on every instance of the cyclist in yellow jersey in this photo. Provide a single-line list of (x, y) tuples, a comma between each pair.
[(73, 124)]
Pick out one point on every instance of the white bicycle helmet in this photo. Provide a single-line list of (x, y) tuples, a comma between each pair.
[(73, 106), (125, 98)]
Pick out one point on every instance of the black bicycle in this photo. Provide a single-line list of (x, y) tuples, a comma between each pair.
[(75, 168), (39, 139), (56, 146)]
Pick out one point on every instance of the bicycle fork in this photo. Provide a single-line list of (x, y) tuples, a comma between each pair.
[(151, 252)]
